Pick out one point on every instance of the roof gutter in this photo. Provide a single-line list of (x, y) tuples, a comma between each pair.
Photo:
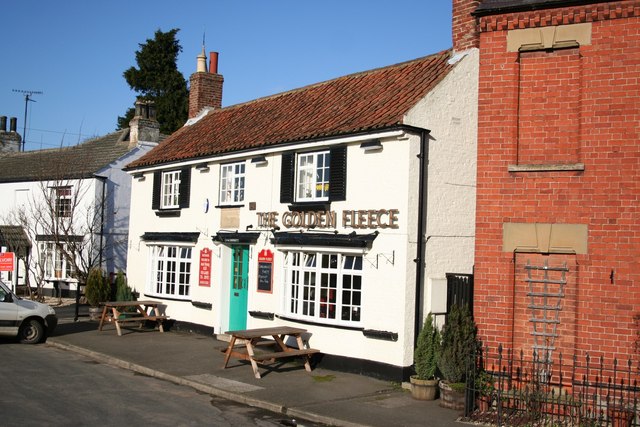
[(389, 132)]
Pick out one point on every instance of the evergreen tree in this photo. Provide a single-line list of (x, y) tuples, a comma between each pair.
[(459, 341), (157, 79), (123, 291)]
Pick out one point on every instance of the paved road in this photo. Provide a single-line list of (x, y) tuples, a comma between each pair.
[(44, 386)]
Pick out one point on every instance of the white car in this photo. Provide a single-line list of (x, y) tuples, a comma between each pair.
[(32, 322)]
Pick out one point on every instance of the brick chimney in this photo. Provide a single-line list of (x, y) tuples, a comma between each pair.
[(10, 142), (205, 86), (464, 26), (144, 127)]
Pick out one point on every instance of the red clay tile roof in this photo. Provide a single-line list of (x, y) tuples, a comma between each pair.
[(364, 101)]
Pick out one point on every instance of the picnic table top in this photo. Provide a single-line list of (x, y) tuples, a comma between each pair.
[(260, 332)]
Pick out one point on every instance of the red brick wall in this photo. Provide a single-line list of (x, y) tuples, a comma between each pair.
[(205, 91), (549, 106), (464, 27), (601, 129)]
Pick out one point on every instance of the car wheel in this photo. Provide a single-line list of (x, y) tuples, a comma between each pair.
[(31, 332)]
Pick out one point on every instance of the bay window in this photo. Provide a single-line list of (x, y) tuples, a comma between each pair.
[(324, 287), (171, 271)]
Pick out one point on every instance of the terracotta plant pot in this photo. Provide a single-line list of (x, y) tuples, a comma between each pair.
[(620, 416), (423, 389)]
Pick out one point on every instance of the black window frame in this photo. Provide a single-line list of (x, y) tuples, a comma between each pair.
[(337, 176), (184, 189)]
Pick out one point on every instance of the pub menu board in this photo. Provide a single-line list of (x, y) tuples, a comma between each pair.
[(265, 270)]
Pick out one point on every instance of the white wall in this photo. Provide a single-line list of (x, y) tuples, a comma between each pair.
[(117, 208), (451, 112)]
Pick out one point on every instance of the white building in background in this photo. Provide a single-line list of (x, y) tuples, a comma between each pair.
[(339, 207), (83, 188)]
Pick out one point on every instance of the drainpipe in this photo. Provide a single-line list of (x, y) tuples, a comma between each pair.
[(422, 221), (102, 203)]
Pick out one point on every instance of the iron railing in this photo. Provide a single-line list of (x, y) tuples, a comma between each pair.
[(508, 389)]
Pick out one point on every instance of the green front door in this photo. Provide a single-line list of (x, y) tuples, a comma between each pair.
[(239, 291)]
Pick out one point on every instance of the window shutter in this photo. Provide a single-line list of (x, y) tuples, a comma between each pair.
[(185, 187), (287, 177), (338, 174), (157, 185)]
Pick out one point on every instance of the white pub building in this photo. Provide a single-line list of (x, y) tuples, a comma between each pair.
[(337, 207)]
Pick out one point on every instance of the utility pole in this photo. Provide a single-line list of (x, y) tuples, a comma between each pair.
[(27, 97)]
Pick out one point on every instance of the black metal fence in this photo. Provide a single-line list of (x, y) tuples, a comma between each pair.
[(508, 389)]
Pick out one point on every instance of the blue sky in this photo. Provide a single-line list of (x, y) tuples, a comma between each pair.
[(76, 51)]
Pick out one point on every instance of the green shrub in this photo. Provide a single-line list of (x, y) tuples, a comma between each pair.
[(459, 341), (427, 349), (123, 291), (97, 289)]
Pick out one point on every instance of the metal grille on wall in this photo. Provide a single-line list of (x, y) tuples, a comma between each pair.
[(459, 290)]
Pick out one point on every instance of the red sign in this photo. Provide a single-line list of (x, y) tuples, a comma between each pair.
[(265, 255), (205, 267), (265, 270), (7, 261)]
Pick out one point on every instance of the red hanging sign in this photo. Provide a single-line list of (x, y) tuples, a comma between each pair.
[(204, 278)]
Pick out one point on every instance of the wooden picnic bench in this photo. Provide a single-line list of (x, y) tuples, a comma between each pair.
[(243, 343), (144, 311)]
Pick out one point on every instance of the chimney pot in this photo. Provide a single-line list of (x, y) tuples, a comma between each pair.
[(13, 124), (213, 62), (3, 123), (139, 106)]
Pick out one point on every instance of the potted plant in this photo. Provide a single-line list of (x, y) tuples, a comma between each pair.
[(96, 291), (459, 341), (485, 390), (424, 384)]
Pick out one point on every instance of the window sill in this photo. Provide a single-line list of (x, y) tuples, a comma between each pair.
[(317, 323), (229, 206), (309, 206), (168, 213), (380, 335), (167, 298), (569, 167)]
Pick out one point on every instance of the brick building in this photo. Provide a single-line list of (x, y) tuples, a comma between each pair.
[(557, 261)]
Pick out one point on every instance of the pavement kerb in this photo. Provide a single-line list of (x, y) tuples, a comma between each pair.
[(291, 412)]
